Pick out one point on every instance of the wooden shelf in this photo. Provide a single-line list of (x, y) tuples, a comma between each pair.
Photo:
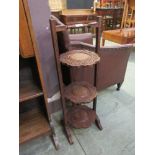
[(32, 125), (29, 91)]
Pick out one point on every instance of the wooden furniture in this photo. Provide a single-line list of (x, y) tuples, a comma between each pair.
[(25, 37), (111, 3), (77, 20), (78, 116), (120, 36), (77, 16), (56, 13), (128, 19), (33, 122), (112, 17), (35, 115)]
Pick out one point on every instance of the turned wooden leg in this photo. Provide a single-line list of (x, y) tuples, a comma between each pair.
[(98, 123), (118, 86)]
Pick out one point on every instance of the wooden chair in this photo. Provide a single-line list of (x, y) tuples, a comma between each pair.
[(128, 19)]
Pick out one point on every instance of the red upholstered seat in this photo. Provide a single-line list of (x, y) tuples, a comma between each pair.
[(83, 37)]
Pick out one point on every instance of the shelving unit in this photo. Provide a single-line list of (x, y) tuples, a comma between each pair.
[(78, 93), (34, 112), (33, 121)]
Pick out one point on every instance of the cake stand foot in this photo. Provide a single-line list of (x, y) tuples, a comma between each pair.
[(98, 123), (68, 134)]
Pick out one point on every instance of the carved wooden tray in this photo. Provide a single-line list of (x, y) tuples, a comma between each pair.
[(81, 116), (80, 92), (79, 58)]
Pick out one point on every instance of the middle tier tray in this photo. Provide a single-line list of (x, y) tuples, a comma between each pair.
[(80, 92), (79, 58)]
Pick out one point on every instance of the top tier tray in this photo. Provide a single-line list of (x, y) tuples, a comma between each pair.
[(79, 58)]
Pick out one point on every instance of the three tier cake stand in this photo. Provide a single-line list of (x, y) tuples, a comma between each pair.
[(78, 93)]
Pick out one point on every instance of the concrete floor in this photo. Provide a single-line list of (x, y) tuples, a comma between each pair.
[(116, 113)]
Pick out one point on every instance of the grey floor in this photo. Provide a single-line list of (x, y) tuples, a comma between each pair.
[(116, 112)]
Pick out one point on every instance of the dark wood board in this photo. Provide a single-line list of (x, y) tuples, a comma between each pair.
[(32, 125)]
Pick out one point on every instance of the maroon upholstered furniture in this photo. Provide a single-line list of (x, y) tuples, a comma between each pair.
[(83, 37), (111, 69)]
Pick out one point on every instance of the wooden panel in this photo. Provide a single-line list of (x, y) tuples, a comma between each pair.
[(126, 36), (39, 20), (131, 3), (26, 46), (32, 124), (29, 91), (77, 19), (77, 12)]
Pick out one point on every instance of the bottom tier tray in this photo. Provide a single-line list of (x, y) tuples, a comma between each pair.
[(81, 116), (80, 92)]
